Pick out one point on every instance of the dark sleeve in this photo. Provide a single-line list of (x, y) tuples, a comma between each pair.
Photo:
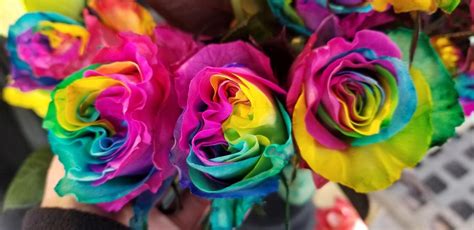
[(59, 219)]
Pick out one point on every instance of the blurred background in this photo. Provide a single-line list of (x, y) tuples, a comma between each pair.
[(21, 129), (438, 194)]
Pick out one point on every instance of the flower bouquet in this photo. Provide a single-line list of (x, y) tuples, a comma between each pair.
[(135, 101)]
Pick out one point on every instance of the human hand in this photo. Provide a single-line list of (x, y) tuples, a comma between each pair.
[(190, 217)]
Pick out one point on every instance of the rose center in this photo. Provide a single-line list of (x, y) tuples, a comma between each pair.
[(354, 103)]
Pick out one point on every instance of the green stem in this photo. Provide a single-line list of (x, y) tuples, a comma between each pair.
[(416, 35), (287, 203), (294, 163), (175, 188)]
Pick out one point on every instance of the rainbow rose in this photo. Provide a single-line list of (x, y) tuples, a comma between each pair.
[(359, 117), (309, 16), (124, 16), (448, 52), (234, 132), (35, 100), (44, 48), (111, 125), (430, 6)]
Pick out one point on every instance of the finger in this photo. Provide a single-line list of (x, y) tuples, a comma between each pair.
[(55, 172), (194, 210), (52, 200)]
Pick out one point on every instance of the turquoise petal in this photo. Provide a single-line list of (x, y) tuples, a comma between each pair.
[(85, 192), (230, 213), (465, 86), (277, 8), (225, 170), (262, 183), (406, 106)]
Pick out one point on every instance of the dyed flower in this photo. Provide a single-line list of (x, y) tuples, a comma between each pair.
[(359, 118), (430, 6), (353, 23), (309, 16), (44, 48), (448, 52), (234, 132), (465, 88), (124, 15), (111, 125), (36, 100)]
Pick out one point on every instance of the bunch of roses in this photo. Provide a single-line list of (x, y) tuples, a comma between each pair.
[(134, 104), (308, 16), (46, 47)]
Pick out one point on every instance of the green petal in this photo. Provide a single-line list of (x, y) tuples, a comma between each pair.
[(230, 213), (448, 5), (447, 112)]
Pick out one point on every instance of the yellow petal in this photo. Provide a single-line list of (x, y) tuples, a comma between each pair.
[(401, 6), (74, 30), (36, 100), (70, 8), (80, 93)]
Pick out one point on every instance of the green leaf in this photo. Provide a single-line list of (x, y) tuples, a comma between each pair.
[(26, 188), (449, 5), (447, 112)]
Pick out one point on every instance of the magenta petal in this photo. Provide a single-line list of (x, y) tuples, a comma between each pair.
[(468, 106), (102, 36), (131, 47), (129, 151), (312, 13), (165, 122), (174, 46), (355, 22), (152, 185), (220, 55), (365, 39)]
